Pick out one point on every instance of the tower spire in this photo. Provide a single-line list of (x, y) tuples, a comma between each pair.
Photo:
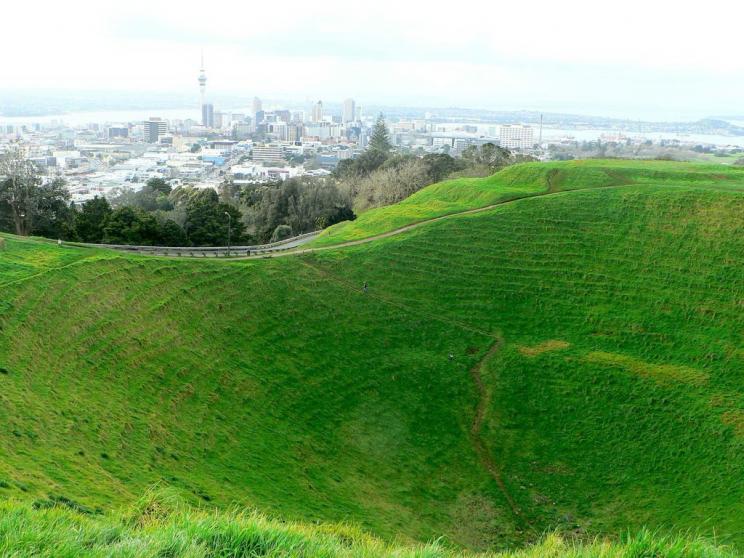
[(203, 80), (205, 110)]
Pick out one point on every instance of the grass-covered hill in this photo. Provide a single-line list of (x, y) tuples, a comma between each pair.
[(520, 181), (569, 362)]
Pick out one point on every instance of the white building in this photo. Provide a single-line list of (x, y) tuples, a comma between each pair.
[(317, 115), (323, 131), (349, 112), (268, 153), (516, 137), (154, 128)]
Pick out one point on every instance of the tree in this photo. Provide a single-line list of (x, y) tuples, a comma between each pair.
[(440, 165), (154, 196), (303, 204), (157, 184), (487, 158), (128, 225), (343, 213), (91, 220), (55, 216), (171, 234), (20, 189), (281, 232), (395, 181), (363, 165), (206, 222), (380, 140)]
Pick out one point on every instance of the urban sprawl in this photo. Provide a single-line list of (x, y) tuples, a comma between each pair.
[(250, 146)]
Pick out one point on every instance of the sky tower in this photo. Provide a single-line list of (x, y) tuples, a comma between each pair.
[(207, 109), (203, 82)]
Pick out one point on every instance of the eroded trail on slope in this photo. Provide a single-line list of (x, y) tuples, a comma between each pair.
[(484, 456)]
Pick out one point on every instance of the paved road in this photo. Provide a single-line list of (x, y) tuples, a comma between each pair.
[(204, 251)]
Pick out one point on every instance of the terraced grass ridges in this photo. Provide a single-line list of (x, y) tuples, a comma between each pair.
[(521, 181), (612, 402)]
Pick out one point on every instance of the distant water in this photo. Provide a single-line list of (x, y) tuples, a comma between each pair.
[(591, 135), (108, 117), (124, 116)]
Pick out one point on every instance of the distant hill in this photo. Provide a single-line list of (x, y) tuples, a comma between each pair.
[(526, 180), (567, 362)]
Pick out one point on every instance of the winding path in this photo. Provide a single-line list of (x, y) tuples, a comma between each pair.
[(291, 247), (551, 191), (484, 456)]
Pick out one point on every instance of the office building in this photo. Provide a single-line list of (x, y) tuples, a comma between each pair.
[(516, 137), (317, 115), (257, 106), (154, 129), (349, 111), (208, 115), (118, 132), (268, 154)]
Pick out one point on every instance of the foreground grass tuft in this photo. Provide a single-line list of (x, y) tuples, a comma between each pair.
[(159, 526)]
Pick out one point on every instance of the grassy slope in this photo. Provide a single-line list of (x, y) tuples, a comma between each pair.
[(278, 384), (158, 527), (522, 181), (640, 418), (125, 371)]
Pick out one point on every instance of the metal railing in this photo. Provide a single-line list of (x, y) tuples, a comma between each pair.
[(207, 251)]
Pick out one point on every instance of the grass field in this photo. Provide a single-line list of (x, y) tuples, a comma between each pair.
[(571, 363), (522, 181), (160, 525)]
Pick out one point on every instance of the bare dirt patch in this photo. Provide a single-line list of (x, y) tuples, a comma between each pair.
[(544, 347), (734, 419), (659, 372)]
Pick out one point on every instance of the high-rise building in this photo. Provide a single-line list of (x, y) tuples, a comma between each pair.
[(279, 130), (118, 132), (349, 112), (317, 112), (155, 128), (270, 153), (283, 115), (207, 109), (257, 106), (203, 81), (516, 137), (208, 115), (294, 133)]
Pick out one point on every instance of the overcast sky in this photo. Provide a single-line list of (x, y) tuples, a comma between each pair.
[(640, 59)]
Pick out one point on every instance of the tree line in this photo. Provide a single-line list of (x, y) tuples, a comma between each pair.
[(380, 177), (252, 214)]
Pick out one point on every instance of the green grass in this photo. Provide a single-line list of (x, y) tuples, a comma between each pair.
[(520, 181), (614, 402), (160, 525)]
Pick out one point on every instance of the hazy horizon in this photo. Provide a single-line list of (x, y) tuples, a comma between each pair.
[(657, 61)]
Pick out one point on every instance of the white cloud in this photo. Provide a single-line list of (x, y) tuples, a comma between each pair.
[(479, 53)]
